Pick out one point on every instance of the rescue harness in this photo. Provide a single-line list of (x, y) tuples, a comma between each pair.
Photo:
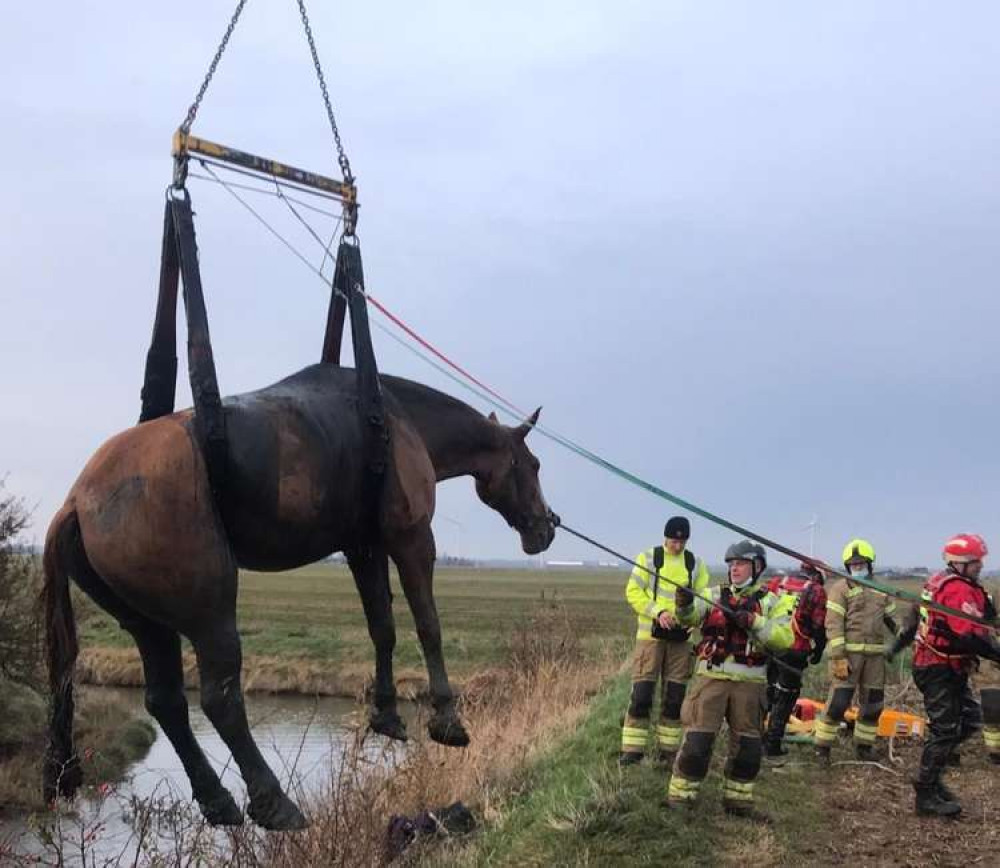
[(179, 262), (721, 639)]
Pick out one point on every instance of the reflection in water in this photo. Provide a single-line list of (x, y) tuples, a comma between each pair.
[(303, 739)]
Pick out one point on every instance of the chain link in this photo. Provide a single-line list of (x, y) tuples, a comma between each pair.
[(345, 165), (186, 126)]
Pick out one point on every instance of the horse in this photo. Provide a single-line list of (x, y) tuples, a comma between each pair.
[(144, 535)]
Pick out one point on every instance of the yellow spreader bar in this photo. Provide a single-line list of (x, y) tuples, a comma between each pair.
[(185, 143)]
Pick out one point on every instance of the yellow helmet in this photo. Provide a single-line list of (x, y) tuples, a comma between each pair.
[(859, 548)]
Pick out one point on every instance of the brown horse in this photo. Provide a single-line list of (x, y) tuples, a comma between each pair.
[(142, 534)]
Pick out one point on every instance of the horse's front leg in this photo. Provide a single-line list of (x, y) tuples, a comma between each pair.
[(414, 554), (370, 567)]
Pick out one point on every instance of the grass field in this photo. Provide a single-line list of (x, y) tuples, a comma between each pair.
[(315, 614)]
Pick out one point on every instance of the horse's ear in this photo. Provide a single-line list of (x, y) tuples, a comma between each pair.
[(493, 417), (524, 428)]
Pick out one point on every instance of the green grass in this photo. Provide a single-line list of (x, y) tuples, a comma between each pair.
[(315, 613), (576, 807)]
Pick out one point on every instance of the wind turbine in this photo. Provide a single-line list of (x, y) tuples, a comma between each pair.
[(458, 532), (811, 527)]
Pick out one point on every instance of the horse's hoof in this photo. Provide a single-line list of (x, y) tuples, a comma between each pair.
[(448, 730), (222, 810), (388, 723), (277, 813)]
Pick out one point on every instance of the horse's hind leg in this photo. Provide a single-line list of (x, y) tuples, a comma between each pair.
[(371, 574), (219, 661), (160, 649), (165, 700)]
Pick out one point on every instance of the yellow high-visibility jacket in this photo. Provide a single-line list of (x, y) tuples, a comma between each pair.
[(649, 593), (855, 618)]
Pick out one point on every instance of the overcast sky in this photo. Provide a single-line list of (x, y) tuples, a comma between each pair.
[(748, 251)]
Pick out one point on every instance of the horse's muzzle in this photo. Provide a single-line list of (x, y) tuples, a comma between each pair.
[(539, 535)]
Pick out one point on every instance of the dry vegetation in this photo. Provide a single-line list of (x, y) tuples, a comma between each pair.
[(513, 712)]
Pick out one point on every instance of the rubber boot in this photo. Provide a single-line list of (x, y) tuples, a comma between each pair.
[(930, 804), (629, 758), (955, 760), (823, 754), (944, 793), (863, 752)]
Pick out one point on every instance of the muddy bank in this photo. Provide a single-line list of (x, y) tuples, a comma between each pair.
[(110, 736)]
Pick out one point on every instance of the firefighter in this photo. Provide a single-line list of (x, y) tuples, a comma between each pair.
[(730, 679), (987, 679), (855, 619), (784, 671), (948, 649), (663, 650)]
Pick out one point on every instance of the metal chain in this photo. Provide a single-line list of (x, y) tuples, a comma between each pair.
[(186, 126), (345, 165)]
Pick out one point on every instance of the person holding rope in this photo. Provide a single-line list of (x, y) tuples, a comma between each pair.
[(987, 680), (948, 650), (663, 647), (784, 671), (855, 618), (739, 624)]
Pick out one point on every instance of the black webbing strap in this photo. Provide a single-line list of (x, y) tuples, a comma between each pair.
[(349, 282), (336, 312), (160, 380), (179, 259)]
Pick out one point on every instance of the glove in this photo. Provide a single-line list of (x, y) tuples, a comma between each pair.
[(816, 656), (840, 669), (684, 598)]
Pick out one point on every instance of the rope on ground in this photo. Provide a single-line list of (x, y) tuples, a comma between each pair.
[(876, 765)]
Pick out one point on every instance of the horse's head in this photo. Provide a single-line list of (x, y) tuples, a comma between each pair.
[(509, 484)]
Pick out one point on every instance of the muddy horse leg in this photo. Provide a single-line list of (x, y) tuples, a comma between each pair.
[(414, 557), (219, 660), (160, 649), (370, 567)]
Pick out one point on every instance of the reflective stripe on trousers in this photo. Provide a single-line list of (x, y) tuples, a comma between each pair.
[(668, 736), (737, 791), (633, 739), (864, 733), (681, 789), (825, 733)]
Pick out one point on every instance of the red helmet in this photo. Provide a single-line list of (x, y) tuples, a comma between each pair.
[(964, 548)]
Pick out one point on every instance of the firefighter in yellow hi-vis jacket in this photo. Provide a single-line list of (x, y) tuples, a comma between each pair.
[(663, 648), (856, 618)]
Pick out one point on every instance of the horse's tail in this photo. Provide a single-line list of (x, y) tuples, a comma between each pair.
[(62, 774)]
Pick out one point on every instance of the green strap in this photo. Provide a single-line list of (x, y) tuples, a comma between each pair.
[(565, 442)]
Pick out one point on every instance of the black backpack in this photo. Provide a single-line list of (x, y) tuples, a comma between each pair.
[(689, 564), (673, 633)]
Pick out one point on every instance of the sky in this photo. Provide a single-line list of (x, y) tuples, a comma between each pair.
[(746, 251)]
